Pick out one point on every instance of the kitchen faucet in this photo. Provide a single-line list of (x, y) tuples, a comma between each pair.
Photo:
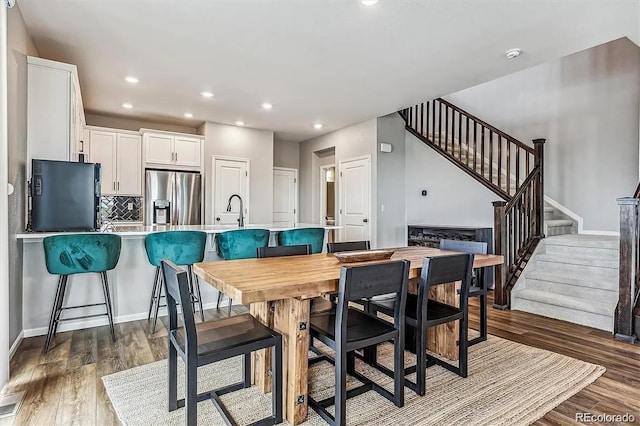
[(241, 218)]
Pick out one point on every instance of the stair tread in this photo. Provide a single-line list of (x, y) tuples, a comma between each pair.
[(599, 307), (572, 279), (582, 240), (580, 259), (558, 222)]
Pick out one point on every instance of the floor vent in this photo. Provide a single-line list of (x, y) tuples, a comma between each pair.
[(10, 404)]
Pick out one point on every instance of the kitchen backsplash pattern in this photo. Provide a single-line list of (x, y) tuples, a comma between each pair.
[(117, 208)]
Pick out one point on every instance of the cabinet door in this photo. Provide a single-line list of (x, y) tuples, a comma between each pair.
[(103, 151), (187, 151), (158, 148), (129, 165)]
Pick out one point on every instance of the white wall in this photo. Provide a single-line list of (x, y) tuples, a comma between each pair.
[(125, 123), (453, 197), (19, 46), (241, 142), (350, 142), (392, 222), (4, 229), (586, 106), (286, 154)]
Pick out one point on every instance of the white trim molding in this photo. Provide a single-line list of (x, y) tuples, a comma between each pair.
[(16, 345), (579, 220)]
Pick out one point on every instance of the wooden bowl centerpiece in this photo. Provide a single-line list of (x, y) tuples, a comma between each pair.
[(363, 255)]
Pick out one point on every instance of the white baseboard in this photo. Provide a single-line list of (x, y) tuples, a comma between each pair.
[(594, 232), (16, 344), (99, 322)]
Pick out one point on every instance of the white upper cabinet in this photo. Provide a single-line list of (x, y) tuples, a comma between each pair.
[(172, 150), (55, 116), (120, 157)]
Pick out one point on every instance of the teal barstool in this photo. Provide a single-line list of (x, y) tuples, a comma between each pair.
[(183, 248), (240, 244), (80, 254), (302, 236)]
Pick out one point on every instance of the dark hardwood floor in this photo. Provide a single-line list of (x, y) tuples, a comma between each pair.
[(64, 386)]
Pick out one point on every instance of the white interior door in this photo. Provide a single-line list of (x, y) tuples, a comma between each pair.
[(355, 199), (230, 177), (285, 196)]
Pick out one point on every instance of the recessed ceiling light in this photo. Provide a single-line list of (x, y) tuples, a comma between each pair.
[(207, 94), (188, 115), (267, 105), (369, 2), (239, 123), (131, 79), (127, 106), (317, 126), (513, 53)]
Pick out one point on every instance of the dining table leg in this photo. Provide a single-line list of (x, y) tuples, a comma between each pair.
[(261, 360), (291, 319)]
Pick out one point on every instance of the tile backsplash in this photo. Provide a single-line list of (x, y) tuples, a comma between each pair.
[(116, 208)]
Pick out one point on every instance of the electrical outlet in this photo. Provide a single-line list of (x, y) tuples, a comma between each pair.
[(130, 206), (382, 208)]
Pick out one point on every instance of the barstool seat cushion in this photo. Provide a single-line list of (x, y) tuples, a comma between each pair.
[(180, 247), (81, 253), (241, 243), (294, 237)]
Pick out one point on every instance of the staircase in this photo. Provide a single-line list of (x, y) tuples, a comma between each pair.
[(558, 223), (572, 278), (511, 169)]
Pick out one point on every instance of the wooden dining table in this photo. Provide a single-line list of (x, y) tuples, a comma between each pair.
[(279, 291)]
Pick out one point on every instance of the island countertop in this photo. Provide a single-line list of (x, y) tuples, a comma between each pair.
[(137, 230)]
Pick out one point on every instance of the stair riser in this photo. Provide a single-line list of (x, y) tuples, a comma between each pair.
[(573, 251), (605, 294), (558, 230), (590, 272), (559, 312)]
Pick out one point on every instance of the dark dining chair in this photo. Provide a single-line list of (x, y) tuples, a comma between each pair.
[(423, 313), (478, 287), (279, 251), (213, 341), (348, 246), (346, 330)]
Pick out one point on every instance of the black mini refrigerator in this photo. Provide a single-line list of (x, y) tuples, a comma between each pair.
[(65, 196)]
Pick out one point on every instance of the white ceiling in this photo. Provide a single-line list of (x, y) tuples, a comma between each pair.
[(331, 61)]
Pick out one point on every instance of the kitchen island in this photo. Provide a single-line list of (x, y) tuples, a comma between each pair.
[(131, 281)]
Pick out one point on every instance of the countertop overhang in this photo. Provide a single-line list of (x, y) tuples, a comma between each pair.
[(142, 230)]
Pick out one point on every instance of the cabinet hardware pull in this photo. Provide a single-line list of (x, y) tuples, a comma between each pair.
[(118, 187)]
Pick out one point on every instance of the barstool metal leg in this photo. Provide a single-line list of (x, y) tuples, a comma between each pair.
[(156, 309), (63, 292), (196, 287), (54, 310), (153, 291), (107, 301), (219, 299), (229, 310)]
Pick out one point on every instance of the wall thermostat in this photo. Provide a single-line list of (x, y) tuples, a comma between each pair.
[(386, 147), (424, 193)]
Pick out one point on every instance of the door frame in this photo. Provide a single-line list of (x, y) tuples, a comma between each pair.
[(246, 202), (295, 190), (323, 192), (4, 204), (341, 192)]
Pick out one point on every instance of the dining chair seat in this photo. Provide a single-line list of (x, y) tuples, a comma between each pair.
[(360, 326), (437, 313)]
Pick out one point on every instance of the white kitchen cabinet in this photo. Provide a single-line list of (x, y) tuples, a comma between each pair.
[(174, 150), (55, 115), (120, 157)]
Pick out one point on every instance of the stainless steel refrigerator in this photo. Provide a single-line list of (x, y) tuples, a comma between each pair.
[(172, 198)]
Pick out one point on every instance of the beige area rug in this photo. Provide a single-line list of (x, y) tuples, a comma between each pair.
[(508, 384)]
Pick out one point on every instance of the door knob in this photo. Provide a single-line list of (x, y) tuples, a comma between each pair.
[(365, 220), (218, 219)]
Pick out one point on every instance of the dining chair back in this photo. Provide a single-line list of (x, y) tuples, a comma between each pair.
[(279, 251), (478, 286), (211, 342), (346, 330), (348, 246)]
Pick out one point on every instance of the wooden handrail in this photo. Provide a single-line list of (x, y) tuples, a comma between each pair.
[(488, 126), (523, 187), (625, 328)]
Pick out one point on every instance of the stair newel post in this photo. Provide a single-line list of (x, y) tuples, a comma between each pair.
[(628, 274), (501, 298), (538, 145)]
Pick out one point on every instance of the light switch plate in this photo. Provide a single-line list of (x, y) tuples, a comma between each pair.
[(130, 206)]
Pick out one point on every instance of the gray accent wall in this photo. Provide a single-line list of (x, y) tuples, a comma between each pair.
[(286, 154), (239, 142), (20, 45), (587, 107), (392, 222)]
